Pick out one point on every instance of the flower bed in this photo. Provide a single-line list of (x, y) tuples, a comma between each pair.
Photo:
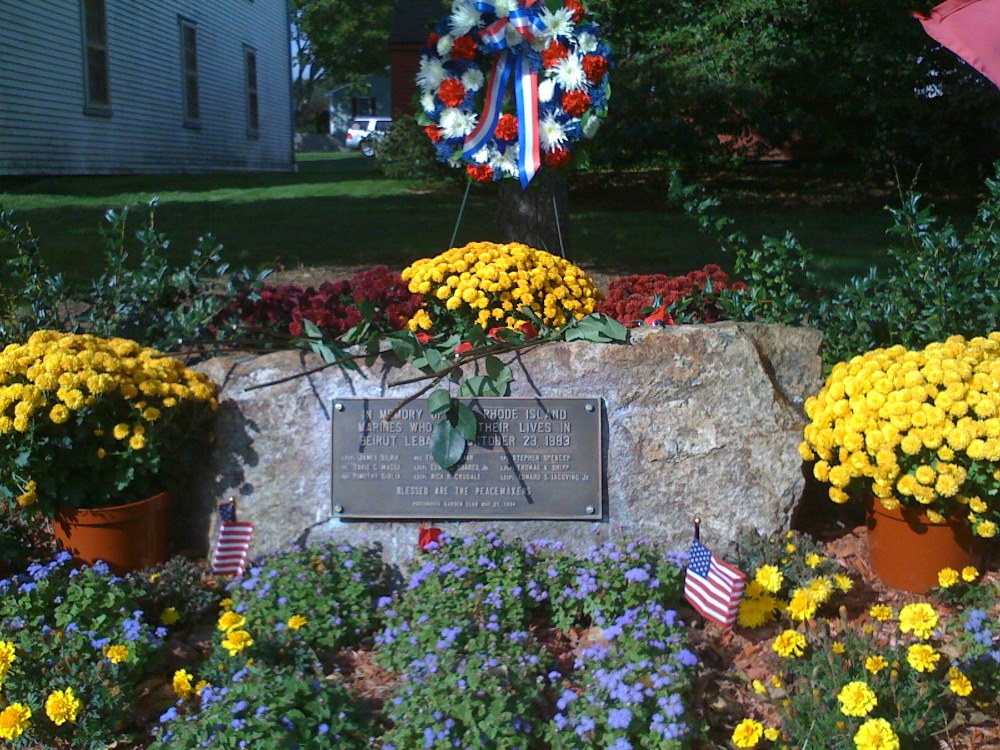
[(691, 298)]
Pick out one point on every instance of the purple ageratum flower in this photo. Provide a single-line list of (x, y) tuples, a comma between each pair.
[(323, 728), (428, 737), (260, 711), (685, 657), (974, 619), (621, 744), (169, 715), (584, 724)]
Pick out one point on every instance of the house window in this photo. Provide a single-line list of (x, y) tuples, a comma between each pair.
[(253, 103), (97, 89), (189, 72)]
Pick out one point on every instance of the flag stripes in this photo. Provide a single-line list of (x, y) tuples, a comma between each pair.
[(713, 587)]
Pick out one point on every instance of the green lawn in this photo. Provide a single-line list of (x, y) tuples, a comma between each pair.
[(335, 209)]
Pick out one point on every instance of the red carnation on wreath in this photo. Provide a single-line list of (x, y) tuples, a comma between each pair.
[(558, 157), (575, 103), (506, 128), (464, 48), (595, 67), (452, 92), (433, 133), (432, 39), (480, 172), (576, 7), (553, 54)]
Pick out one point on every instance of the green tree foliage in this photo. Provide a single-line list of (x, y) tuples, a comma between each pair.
[(842, 81), (337, 42)]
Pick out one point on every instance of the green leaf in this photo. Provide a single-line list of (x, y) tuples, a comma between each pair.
[(439, 402), (498, 371), (465, 421), (311, 329), (479, 385), (436, 360), (447, 445)]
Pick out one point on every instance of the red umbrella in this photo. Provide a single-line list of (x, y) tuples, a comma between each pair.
[(970, 29)]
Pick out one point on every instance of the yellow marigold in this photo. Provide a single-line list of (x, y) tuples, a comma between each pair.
[(881, 612), (121, 431), (226, 603), (969, 574), (919, 619), (137, 442), (236, 641), (758, 687), (857, 699), (947, 577), (985, 529), (59, 414), (876, 734), (7, 656), (922, 657), (925, 475), (772, 734), (151, 413), (182, 684), (230, 620), (958, 683), (62, 706), (789, 644), (116, 653), (295, 622), (14, 719), (748, 733), (201, 685), (769, 578), (876, 663), (838, 495)]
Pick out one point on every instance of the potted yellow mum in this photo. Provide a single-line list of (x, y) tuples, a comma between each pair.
[(916, 433), (92, 431)]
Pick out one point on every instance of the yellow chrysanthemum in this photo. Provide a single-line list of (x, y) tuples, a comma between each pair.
[(772, 734), (183, 687), (789, 644), (947, 577), (876, 734), (769, 578), (843, 582), (881, 612), (748, 733), (969, 574), (121, 431), (813, 560), (295, 622), (857, 699), (226, 603), (801, 606), (230, 620), (922, 657), (755, 611), (62, 707), (919, 619), (236, 641)]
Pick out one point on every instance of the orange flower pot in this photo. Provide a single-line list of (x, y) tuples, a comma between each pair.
[(906, 550), (127, 537)]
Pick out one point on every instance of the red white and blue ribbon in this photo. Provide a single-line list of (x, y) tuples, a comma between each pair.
[(528, 25)]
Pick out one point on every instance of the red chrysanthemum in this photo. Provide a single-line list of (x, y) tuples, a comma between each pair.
[(576, 7), (506, 129), (557, 157), (480, 172), (595, 67), (575, 103), (452, 92), (464, 48), (434, 133), (553, 54)]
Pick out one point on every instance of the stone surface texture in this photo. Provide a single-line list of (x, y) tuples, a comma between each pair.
[(700, 421)]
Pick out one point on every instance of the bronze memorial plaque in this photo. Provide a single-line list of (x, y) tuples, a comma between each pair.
[(533, 458)]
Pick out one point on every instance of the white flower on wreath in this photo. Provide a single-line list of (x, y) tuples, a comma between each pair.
[(427, 103), (586, 43), (455, 123), (464, 17), (445, 44), (569, 73), (551, 133), (503, 8), (473, 79), (481, 156), (546, 89), (507, 161), (557, 23), (430, 74)]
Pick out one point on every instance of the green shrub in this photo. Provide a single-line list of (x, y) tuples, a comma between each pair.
[(406, 153)]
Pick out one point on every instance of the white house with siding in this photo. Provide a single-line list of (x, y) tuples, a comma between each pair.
[(102, 86)]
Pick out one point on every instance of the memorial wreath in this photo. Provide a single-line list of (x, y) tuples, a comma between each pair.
[(559, 67)]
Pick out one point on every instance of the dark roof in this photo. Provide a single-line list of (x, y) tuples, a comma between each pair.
[(413, 20)]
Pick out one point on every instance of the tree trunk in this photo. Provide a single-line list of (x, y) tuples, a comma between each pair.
[(536, 216)]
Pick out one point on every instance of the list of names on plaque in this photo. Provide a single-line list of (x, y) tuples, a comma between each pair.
[(532, 458)]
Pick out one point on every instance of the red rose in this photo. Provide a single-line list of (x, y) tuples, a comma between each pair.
[(595, 67), (464, 48), (528, 330), (506, 129), (428, 537), (576, 7), (464, 347), (553, 54), (423, 338), (557, 157), (575, 103), (452, 92), (659, 317), (433, 133), (480, 172)]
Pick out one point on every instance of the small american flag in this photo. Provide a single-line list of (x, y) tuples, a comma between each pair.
[(232, 544), (713, 587)]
